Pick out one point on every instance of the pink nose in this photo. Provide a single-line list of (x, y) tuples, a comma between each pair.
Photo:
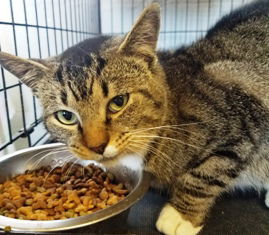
[(99, 149)]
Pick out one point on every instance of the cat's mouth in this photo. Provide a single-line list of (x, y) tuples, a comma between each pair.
[(84, 153), (110, 153)]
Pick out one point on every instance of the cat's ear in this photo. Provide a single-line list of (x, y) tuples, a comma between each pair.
[(142, 39), (29, 71)]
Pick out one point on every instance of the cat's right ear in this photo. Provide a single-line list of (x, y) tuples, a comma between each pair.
[(142, 39), (29, 71)]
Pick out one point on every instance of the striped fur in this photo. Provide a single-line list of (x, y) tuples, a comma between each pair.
[(198, 116)]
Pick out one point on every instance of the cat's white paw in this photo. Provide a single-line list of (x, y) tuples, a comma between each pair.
[(267, 198), (170, 222)]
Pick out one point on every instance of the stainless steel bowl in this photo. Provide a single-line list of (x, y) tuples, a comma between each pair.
[(135, 179)]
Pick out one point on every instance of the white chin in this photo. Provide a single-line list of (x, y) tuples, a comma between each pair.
[(110, 152), (132, 161)]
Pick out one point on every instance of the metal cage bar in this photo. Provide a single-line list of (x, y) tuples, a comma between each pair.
[(68, 25)]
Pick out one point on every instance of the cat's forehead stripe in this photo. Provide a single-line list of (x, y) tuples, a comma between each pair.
[(91, 86), (100, 64), (73, 91), (59, 75), (104, 88), (75, 70), (64, 97)]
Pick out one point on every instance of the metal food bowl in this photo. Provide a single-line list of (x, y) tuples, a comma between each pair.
[(135, 179)]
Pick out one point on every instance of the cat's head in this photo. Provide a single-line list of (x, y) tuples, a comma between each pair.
[(100, 96)]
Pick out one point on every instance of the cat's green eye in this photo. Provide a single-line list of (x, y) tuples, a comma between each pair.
[(66, 117), (118, 103)]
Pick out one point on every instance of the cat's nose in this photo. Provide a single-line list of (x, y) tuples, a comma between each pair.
[(99, 149)]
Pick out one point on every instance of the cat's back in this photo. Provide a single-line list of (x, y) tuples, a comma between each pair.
[(242, 35), (234, 53), (226, 74), (251, 13), (243, 40)]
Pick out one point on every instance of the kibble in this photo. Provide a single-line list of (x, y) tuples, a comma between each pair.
[(59, 193)]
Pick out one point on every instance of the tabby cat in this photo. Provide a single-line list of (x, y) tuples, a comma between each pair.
[(198, 117)]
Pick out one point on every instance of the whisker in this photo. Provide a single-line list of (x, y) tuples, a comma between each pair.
[(163, 144), (156, 154), (82, 171), (67, 157), (151, 141), (168, 160), (172, 129), (132, 150), (48, 175), (174, 126), (35, 165), (155, 151), (37, 162), (70, 168), (181, 131), (167, 138), (66, 162), (37, 154)]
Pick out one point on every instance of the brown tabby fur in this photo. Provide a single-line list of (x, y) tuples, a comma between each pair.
[(206, 106)]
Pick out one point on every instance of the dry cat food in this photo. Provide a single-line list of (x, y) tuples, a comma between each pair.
[(59, 193)]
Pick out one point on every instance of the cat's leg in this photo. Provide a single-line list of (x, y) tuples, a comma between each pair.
[(185, 213), (195, 192)]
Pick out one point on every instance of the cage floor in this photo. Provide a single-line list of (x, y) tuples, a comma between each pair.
[(235, 214)]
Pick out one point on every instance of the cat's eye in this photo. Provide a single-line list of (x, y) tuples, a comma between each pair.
[(66, 117), (117, 103)]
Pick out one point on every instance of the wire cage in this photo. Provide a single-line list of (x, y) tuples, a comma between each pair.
[(43, 28)]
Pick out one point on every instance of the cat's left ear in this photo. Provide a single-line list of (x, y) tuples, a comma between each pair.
[(29, 71), (142, 39)]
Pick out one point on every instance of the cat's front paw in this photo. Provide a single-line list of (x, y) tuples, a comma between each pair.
[(170, 222)]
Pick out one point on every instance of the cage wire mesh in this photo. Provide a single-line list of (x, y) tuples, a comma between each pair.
[(43, 28)]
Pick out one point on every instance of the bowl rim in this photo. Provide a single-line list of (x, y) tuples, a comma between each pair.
[(71, 223)]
